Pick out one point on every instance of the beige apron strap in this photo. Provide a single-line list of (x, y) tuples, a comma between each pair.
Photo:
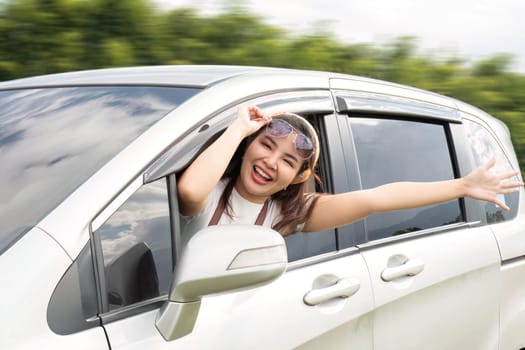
[(220, 209)]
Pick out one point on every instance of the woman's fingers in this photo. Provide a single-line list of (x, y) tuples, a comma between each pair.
[(501, 205), (511, 184), (257, 114), (508, 175)]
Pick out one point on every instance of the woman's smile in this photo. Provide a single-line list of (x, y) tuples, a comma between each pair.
[(260, 175)]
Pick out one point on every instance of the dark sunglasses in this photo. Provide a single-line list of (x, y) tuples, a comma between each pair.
[(281, 128)]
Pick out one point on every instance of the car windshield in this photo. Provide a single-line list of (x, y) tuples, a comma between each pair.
[(53, 139)]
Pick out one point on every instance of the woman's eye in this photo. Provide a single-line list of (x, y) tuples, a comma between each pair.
[(288, 162), (266, 145)]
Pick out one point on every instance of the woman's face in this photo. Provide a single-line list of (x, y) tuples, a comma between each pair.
[(268, 166)]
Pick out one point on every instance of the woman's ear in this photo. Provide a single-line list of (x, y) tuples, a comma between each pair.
[(302, 177)]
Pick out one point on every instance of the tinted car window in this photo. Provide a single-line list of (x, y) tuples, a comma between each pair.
[(484, 147), (53, 139), (398, 150), (136, 247)]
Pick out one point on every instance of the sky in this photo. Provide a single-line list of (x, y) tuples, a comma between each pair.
[(470, 29)]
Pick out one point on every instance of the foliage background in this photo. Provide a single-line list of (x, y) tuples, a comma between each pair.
[(48, 36)]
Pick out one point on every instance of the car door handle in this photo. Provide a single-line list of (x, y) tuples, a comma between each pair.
[(410, 268), (343, 288)]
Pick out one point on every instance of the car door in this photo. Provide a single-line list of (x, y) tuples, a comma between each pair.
[(308, 307), (435, 274)]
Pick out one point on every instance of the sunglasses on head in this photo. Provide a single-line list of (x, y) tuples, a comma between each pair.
[(281, 128)]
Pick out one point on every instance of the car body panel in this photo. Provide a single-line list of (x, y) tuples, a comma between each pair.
[(455, 296), (27, 286), (261, 318), (512, 314), (200, 76)]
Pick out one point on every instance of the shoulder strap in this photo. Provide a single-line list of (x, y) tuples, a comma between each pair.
[(217, 214), (262, 214), (220, 209)]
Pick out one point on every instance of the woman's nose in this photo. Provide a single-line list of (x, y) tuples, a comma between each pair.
[(271, 160)]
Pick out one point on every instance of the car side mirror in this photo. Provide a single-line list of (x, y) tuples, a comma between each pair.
[(217, 259)]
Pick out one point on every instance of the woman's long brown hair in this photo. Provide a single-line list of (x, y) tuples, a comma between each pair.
[(294, 203)]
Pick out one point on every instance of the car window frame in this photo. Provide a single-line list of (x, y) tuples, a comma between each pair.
[(452, 127), (315, 103), (105, 314)]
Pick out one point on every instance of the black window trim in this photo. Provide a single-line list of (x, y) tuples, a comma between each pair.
[(473, 209), (352, 181)]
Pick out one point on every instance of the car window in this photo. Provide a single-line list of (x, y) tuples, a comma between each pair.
[(137, 247), (484, 146), (390, 150), (313, 105), (53, 139)]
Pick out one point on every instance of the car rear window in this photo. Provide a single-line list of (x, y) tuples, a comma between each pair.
[(53, 139)]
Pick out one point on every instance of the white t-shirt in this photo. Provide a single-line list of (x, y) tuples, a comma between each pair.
[(244, 212)]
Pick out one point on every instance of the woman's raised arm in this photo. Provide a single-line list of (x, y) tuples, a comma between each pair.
[(335, 210), (199, 179)]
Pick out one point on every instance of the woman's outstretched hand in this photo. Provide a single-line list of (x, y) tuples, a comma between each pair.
[(250, 119), (483, 185)]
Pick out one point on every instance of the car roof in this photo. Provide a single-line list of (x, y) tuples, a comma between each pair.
[(191, 76), (197, 76), (203, 76)]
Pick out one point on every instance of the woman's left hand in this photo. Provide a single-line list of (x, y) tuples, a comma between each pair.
[(483, 185)]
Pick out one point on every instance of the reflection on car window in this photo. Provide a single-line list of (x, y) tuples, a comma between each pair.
[(484, 147), (397, 150), (136, 246), (53, 139)]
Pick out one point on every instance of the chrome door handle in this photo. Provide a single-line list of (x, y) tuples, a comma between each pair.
[(410, 268), (343, 288)]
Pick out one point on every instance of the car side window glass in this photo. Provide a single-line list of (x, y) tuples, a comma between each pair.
[(136, 247), (484, 146), (391, 150)]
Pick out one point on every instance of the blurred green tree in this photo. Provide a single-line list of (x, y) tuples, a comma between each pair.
[(47, 36)]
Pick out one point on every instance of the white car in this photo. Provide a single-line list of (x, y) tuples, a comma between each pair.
[(90, 241)]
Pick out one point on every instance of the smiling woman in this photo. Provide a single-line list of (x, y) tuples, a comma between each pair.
[(265, 181)]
